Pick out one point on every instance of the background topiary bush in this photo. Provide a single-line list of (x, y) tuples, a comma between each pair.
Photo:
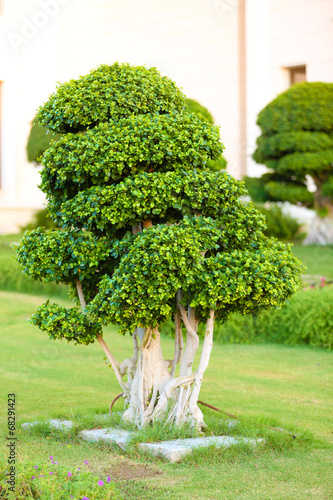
[(39, 140), (197, 108), (306, 319), (296, 142), (279, 225)]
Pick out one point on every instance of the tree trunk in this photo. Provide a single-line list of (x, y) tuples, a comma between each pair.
[(155, 392), (321, 231), (149, 381)]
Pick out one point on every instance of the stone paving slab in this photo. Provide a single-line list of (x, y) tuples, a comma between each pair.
[(63, 425), (116, 436), (175, 450)]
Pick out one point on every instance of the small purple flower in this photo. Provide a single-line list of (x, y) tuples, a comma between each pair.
[(69, 474), (40, 476), (33, 477), (54, 462), (36, 466), (108, 479), (100, 483), (51, 457), (50, 473), (84, 498), (86, 462)]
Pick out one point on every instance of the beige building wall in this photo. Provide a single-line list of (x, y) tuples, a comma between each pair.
[(230, 55), (280, 35)]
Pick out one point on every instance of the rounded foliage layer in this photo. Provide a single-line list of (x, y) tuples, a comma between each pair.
[(296, 141), (109, 92), (113, 150), (69, 324), (197, 108), (63, 255), (305, 106), (39, 140), (154, 196)]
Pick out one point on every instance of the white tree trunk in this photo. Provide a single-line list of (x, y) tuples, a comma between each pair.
[(321, 231), (149, 381), (155, 393)]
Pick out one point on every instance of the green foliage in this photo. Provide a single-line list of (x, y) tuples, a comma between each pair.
[(43, 481), (279, 225), (157, 196), (306, 319), (328, 187), (306, 106), (41, 218), (289, 191), (313, 164), (131, 153), (13, 279), (39, 140), (224, 264), (62, 255), (301, 141), (62, 323), (275, 187), (114, 150), (197, 108), (217, 165), (296, 141), (109, 93)]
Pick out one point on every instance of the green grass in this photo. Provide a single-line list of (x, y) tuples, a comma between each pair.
[(13, 279), (318, 260), (264, 385)]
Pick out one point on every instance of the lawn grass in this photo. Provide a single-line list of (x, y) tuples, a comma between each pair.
[(13, 279), (264, 385), (318, 260)]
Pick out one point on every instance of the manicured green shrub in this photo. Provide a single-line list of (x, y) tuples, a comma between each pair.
[(12, 279), (279, 225), (306, 319), (39, 140), (197, 108), (40, 218), (296, 142)]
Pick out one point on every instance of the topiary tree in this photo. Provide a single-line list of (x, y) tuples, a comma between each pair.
[(38, 141), (147, 233), (296, 143), (195, 107)]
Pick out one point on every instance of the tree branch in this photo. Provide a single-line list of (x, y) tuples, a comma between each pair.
[(179, 346), (137, 228), (204, 358), (100, 339), (81, 295), (187, 323)]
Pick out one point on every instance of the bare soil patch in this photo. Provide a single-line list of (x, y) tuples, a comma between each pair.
[(126, 471)]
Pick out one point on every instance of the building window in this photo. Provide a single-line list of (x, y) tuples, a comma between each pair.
[(297, 74)]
